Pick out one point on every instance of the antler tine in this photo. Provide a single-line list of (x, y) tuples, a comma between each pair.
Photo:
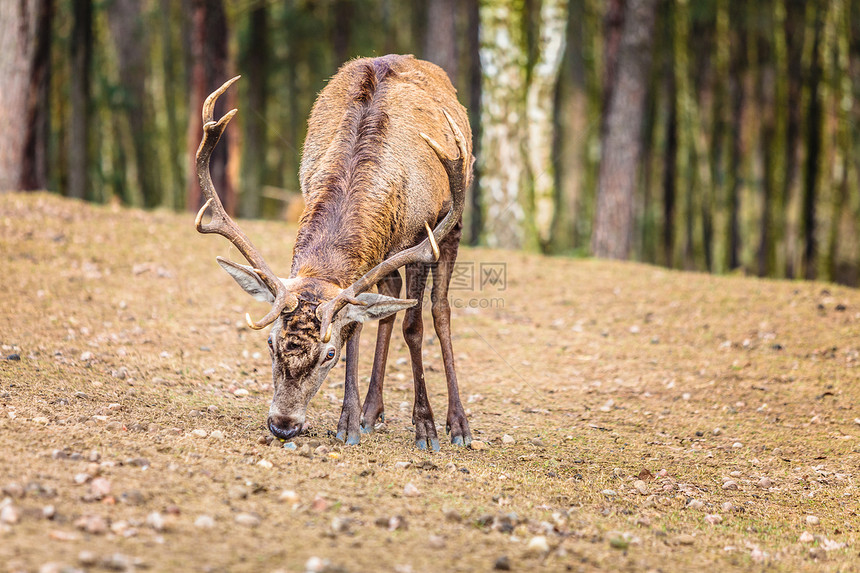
[(222, 224), (427, 251)]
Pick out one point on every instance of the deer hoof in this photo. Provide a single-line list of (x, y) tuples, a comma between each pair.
[(421, 444)]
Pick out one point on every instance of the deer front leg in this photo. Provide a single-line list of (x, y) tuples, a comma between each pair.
[(413, 332), (350, 415), (373, 406), (457, 425)]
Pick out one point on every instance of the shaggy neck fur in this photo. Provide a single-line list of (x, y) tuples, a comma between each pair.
[(349, 220)]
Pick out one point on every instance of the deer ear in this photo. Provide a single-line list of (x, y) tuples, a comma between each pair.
[(247, 279), (376, 307)]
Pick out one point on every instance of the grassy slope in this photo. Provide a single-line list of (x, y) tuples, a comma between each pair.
[(598, 370)]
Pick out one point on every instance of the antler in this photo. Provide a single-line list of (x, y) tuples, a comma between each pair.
[(427, 251), (222, 224)]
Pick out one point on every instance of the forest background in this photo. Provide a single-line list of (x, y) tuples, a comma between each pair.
[(714, 135)]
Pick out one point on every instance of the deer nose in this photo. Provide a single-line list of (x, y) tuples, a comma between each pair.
[(283, 428)]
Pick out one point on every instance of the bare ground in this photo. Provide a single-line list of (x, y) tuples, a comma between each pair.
[(596, 375)]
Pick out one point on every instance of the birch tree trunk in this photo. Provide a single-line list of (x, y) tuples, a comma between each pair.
[(621, 145), (540, 103), (504, 57), (19, 22)]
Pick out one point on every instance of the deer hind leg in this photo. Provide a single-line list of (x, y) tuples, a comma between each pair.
[(373, 406), (413, 332), (348, 425), (456, 424)]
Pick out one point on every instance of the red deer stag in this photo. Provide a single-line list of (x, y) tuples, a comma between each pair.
[(375, 178)]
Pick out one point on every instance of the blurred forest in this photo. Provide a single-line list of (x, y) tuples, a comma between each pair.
[(714, 135)]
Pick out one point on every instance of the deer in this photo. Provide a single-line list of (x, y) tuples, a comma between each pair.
[(385, 166)]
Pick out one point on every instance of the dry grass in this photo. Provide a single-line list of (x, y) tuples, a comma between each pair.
[(597, 370)]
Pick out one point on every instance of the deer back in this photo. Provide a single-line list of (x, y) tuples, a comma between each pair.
[(369, 181)]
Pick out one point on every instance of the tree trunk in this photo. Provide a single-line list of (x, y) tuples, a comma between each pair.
[(23, 73), (254, 155), (540, 103), (474, 217), (502, 161), (670, 171), (78, 141), (813, 150), (209, 70), (125, 20), (440, 43), (621, 145), (341, 30), (34, 171)]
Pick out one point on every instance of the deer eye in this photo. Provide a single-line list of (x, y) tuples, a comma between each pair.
[(270, 342), (330, 354)]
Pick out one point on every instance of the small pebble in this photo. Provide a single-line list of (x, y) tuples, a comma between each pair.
[(82, 478), (695, 504), (288, 496), (812, 520), (717, 431), (640, 486), (730, 485), (289, 445), (340, 524), (765, 483), (200, 433), (506, 439), (806, 537), (87, 558), (238, 492), (401, 465), (49, 511), (156, 521), (538, 545), (727, 507), (212, 408), (204, 522), (502, 563), (316, 565), (265, 464), (609, 492), (10, 515), (94, 524), (100, 487), (247, 519), (410, 490), (305, 451), (478, 445), (737, 445), (685, 539), (713, 518), (436, 542), (217, 435)]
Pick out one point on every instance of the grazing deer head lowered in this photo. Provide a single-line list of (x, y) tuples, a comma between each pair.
[(375, 178)]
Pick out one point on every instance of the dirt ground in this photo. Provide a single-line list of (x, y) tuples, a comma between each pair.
[(633, 418)]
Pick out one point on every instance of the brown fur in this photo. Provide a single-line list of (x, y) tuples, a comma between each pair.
[(368, 179)]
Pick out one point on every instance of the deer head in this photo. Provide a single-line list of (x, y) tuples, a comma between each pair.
[(311, 318)]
